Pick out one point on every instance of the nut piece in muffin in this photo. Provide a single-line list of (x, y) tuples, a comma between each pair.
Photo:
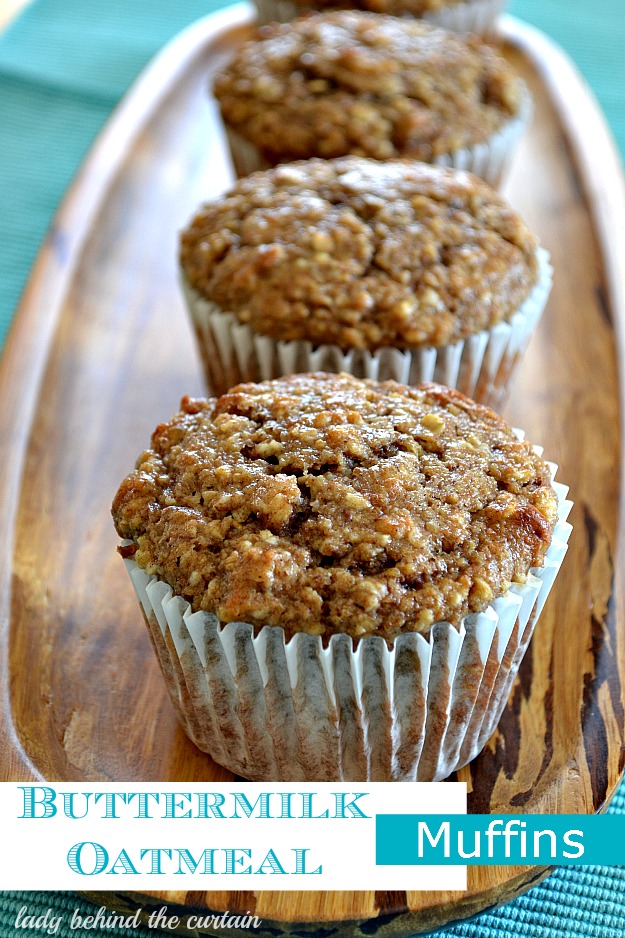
[(325, 504), (349, 82), (362, 254)]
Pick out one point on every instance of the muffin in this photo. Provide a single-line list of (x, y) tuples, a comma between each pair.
[(386, 270), (349, 82), (340, 577), (462, 16)]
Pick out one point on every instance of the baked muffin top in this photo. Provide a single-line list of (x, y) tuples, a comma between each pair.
[(380, 86), (392, 7), (323, 503), (362, 254)]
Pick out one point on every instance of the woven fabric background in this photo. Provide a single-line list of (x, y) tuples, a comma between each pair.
[(64, 64)]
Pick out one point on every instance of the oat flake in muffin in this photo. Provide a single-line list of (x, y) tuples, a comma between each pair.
[(362, 254), (323, 504), (351, 82)]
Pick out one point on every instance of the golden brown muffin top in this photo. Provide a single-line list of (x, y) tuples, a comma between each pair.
[(323, 503), (351, 82), (362, 254)]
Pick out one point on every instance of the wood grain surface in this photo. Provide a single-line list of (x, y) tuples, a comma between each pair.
[(101, 351)]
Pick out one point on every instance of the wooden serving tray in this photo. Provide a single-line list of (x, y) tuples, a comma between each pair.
[(101, 351)]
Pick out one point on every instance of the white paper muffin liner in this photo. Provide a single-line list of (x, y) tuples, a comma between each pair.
[(274, 711), (474, 16), (481, 366), (489, 160), (277, 11)]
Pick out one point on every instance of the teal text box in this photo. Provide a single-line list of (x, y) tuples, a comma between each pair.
[(502, 840)]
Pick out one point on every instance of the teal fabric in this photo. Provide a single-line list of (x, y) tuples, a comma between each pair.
[(63, 66), (593, 33)]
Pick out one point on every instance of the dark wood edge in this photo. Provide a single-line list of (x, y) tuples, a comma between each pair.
[(397, 924)]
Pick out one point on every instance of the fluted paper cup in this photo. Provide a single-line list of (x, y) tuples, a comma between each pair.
[(271, 710), (489, 160), (473, 16), (481, 366)]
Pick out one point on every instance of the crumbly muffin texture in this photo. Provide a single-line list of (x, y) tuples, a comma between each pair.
[(349, 82), (322, 504), (362, 254)]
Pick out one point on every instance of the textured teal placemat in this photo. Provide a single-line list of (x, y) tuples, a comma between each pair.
[(593, 33), (63, 66)]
